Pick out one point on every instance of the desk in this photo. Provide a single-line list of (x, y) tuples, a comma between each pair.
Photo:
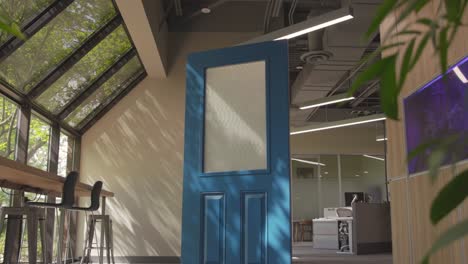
[(19, 176)]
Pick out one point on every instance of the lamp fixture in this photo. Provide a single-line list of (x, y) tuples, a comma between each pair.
[(307, 26), (327, 101), (374, 157), (460, 75), (337, 124), (309, 162)]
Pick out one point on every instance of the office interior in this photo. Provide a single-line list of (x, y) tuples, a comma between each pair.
[(96, 130)]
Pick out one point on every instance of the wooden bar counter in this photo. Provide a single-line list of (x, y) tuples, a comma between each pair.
[(19, 176)]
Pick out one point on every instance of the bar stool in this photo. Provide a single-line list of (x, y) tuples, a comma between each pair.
[(106, 224), (34, 216), (66, 203)]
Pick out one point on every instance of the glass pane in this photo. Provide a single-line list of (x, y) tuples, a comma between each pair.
[(108, 91), (305, 184), (364, 174), (100, 58), (38, 147), (329, 193), (235, 116), (53, 43), (8, 127), (65, 154), (21, 12)]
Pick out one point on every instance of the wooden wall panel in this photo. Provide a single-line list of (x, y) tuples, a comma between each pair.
[(464, 244), (413, 232), (400, 227), (422, 192)]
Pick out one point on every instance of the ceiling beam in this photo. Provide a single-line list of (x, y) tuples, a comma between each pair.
[(101, 111), (76, 56), (34, 26), (97, 83), (142, 21), (368, 91)]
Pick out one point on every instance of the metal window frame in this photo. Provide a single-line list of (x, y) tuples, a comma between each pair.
[(99, 112), (92, 87), (35, 25)]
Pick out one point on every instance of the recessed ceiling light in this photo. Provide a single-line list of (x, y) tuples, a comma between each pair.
[(326, 172), (357, 175), (365, 172), (337, 124), (299, 67), (309, 162), (206, 10), (327, 101), (381, 138), (374, 157)]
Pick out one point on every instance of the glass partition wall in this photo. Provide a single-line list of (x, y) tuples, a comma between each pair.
[(321, 181)]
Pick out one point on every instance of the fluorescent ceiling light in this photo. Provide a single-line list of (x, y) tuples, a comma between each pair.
[(374, 157), (327, 101), (460, 75), (317, 27), (341, 123), (307, 26), (380, 138), (309, 162)]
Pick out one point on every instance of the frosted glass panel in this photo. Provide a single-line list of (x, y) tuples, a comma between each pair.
[(235, 118)]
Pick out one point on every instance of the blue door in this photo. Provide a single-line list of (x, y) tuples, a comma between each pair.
[(236, 200)]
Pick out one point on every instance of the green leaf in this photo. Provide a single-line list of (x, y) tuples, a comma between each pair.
[(389, 90), (436, 159), (372, 72), (382, 12), (443, 49), (452, 8), (421, 45), (454, 233), (427, 22), (406, 63), (451, 195), (7, 25), (408, 32)]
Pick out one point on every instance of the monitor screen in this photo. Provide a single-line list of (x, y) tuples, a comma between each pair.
[(349, 196), (438, 109)]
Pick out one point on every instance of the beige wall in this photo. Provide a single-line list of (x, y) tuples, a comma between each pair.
[(137, 150), (411, 196)]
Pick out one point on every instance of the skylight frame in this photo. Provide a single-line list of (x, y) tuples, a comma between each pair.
[(35, 25)]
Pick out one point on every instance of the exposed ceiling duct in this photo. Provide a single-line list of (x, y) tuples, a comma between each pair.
[(332, 59), (317, 53)]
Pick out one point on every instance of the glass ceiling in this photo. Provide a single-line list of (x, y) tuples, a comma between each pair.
[(56, 44), (108, 91), (21, 11)]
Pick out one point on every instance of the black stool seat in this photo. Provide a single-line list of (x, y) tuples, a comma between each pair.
[(68, 194), (95, 197)]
